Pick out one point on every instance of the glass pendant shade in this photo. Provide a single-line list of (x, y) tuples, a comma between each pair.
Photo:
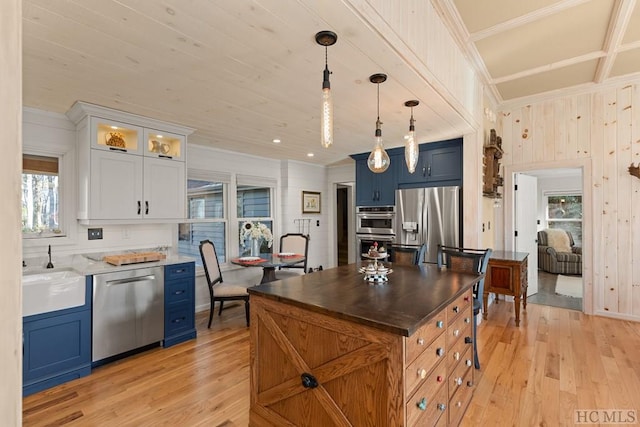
[(326, 118), (411, 152), (411, 149), (378, 160)]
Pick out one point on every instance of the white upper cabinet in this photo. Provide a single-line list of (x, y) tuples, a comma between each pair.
[(130, 168)]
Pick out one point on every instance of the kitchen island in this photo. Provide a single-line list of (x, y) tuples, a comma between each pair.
[(328, 348)]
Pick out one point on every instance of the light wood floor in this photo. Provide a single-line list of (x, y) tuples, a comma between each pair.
[(557, 361)]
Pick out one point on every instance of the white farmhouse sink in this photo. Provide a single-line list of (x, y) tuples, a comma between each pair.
[(47, 291)]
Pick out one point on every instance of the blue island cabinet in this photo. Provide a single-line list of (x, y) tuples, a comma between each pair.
[(56, 346), (179, 303)]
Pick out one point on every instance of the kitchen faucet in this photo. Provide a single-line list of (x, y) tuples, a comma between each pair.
[(50, 265)]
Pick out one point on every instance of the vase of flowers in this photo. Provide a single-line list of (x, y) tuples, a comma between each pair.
[(257, 233)]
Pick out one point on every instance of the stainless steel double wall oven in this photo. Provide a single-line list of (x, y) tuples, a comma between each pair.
[(375, 224)]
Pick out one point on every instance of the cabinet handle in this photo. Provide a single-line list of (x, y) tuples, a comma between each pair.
[(182, 270), (146, 207), (165, 157), (180, 292), (429, 170), (424, 171), (178, 320), (139, 207), (118, 149)]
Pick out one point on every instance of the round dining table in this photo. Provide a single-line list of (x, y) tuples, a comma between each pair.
[(269, 263)]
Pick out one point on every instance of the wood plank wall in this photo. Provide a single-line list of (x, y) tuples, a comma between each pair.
[(602, 128)]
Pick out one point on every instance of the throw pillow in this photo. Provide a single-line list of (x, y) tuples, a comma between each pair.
[(558, 240)]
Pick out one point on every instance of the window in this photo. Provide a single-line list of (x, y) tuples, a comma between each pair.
[(208, 220), (564, 211), (253, 205), (41, 207)]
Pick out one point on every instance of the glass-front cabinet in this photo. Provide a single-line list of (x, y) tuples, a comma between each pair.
[(111, 135), (130, 168), (164, 145)]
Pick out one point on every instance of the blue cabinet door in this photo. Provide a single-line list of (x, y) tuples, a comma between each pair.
[(56, 349), (439, 164), (179, 303), (375, 189)]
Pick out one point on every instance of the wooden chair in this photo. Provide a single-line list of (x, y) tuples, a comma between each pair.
[(219, 291), (409, 255), (296, 243), (472, 261)]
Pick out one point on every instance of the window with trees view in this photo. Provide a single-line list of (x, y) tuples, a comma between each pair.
[(565, 212), (41, 216)]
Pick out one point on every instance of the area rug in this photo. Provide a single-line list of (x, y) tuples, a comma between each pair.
[(570, 286)]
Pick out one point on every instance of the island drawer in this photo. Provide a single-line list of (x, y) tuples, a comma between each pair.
[(459, 305), (429, 402), (420, 368), (424, 336), (459, 373), (461, 327), (458, 404)]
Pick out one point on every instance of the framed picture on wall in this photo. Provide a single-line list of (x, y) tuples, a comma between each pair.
[(310, 202)]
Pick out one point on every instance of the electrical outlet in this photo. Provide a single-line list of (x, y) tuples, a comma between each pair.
[(95, 233)]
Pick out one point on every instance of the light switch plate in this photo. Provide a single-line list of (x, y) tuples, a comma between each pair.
[(95, 233)]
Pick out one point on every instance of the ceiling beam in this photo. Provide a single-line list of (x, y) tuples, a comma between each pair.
[(617, 27), (549, 67)]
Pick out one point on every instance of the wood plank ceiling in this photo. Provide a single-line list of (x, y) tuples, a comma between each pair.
[(245, 72)]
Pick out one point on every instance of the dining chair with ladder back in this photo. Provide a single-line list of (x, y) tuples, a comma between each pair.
[(293, 243), (471, 261), (411, 255), (218, 289)]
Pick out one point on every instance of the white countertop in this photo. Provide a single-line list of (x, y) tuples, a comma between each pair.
[(88, 267)]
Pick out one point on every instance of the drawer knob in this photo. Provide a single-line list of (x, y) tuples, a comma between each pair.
[(440, 324), (442, 406), (422, 373), (456, 309), (422, 404), (469, 383), (439, 378), (420, 341), (456, 332), (440, 351), (468, 340), (468, 362), (458, 381), (466, 298), (456, 355), (458, 404), (467, 320)]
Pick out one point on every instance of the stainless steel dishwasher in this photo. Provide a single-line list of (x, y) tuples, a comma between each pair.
[(128, 311)]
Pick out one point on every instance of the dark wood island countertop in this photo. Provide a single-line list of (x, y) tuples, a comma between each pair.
[(412, 296)]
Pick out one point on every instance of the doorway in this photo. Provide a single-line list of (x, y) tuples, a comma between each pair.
[(554, 201), (342, 224)]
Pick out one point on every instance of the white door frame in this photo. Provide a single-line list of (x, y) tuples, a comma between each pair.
[(587, 218)]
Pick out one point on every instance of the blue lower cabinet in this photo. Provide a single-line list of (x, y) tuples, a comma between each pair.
[(56, 346), (179, 303)]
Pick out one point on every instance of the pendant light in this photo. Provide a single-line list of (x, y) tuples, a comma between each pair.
[(411, 150), (378, 160), (326, 38)]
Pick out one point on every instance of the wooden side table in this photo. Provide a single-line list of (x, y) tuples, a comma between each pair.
[(507, 275)]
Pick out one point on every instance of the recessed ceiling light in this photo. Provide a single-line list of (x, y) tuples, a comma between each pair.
[(276, 141), (309, 154)]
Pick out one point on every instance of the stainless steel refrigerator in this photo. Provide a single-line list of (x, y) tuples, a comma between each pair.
[(428, 215)]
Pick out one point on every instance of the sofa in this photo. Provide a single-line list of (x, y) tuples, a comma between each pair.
[(557, 252)]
